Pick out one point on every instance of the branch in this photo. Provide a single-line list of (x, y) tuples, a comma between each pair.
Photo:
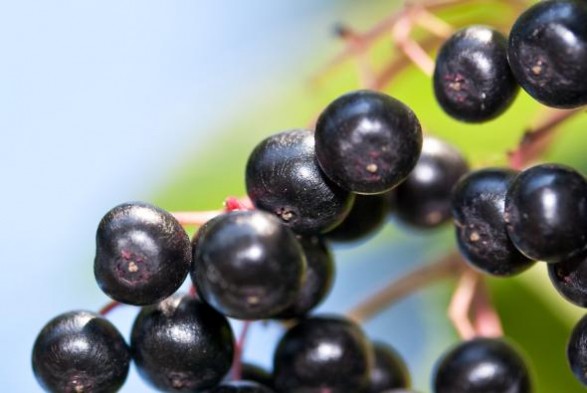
[(448, 266), (535, 142)]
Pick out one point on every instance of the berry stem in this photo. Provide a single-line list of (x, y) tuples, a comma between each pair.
[(401, 37), (461, 303), (487, 322), (195, 218), (447, 266), (535, 142), (357, 45), (109, 307), (422, 16), (430, 22), (237, 363)]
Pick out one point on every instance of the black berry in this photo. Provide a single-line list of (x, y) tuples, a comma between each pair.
[(546, 212), (482, 365), (472, 79), (548, 52), (251, 372), (142, 254), (248, 265), (182, 345), (423, 199), (283, 177), (478, 206), (577, 350), (367, 142), (569, 277), (323, 353), (367, 216), (80, 351), (318, 278), (389, 370), (240, 387)]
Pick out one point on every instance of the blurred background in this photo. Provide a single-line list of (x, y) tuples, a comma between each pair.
[(108, 102)]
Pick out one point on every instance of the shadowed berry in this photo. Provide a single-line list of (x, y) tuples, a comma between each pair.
[(478, 206)]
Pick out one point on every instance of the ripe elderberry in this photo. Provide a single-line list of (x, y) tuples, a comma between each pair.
[(389, 370), (482, 365), (478, 207), (248, 265), (143, 254), (423, 199), (548, 52), (323, 353), (472, 79), (318, 277), (283, 178), (577, 350), (569, 277), (80, 351), (367, 142), (546, 212), (182, 344)]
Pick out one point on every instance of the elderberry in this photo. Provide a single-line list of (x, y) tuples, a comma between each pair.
[(367, 142), (472, 79), (547, 52), (323, 353), (482, 365), (248, 265), (478, 207), (283, 178), (182, 344), (142, 254), (80, 351), (423, 199), (546, 212)]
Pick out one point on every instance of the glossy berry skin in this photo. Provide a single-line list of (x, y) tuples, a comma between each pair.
[(423, 199), (472, 78), (251, 372), (142, 254), (241, 387), (283, 177), (482, 365), (80, 351), (577, 351), (569, 277), (367, 142), (389, 370), (182, 345), (323, 353), (248, 265), (318, 278), (546, 212), (548, 52), (367, 216), (478, 206)]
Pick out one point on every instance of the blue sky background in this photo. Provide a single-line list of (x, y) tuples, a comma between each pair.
[(99, 101)]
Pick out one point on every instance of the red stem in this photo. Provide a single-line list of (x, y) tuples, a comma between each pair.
[(109, 307), (237, 363)]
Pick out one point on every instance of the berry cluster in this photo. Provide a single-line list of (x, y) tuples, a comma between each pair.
[(270, 260)]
